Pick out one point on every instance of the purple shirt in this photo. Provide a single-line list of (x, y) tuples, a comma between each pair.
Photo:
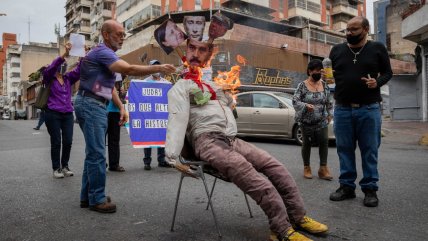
[(95, 75), (60, 96)]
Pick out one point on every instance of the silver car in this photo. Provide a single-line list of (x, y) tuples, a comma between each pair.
[(269, 114)]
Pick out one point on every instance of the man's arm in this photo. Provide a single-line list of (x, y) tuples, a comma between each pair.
[(123, 67), (116, 100)]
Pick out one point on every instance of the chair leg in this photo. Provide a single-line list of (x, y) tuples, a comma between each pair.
[(248, 205), (210, 203), (176, 202), (212, 191)]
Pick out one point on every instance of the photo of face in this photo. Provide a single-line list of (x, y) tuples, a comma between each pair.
[(198, 53), (194, 26), (219, 26), (169, 36)]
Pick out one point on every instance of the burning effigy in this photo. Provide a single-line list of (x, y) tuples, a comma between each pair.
[(201, 119)]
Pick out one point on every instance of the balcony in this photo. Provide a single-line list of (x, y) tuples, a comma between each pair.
[(344, 9), (415, 26), (85, 29), (338, 26), (296, 12), (84, 3), (85, 15)]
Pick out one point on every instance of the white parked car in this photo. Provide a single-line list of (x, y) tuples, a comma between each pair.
[(269, 114), (5, 116)]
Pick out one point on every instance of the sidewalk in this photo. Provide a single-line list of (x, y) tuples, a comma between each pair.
[(409, 132)]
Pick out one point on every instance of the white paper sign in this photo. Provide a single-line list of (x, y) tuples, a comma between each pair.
[(78, 45)]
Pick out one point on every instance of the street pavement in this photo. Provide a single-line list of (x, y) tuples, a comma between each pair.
[(34, 206)]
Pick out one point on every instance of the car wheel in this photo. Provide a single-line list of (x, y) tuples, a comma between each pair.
[(298, 135)]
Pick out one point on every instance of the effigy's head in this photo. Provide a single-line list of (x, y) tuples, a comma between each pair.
[(198, 53)]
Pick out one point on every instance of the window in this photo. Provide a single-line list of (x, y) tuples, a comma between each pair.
[(244, 100), (265, 101), (15, 75), (304, 4), (16, 64)]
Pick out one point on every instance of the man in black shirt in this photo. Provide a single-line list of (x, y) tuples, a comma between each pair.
[(361, 67)]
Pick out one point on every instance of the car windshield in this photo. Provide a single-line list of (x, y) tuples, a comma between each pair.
[(287, 98)]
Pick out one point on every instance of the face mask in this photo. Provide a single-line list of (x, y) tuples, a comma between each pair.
[(316, 76), (353, 39)]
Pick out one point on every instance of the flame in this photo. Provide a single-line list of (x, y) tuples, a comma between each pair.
[(241, 59), (229, 80)]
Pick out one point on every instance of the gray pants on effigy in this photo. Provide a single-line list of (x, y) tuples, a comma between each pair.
[(243, 164)]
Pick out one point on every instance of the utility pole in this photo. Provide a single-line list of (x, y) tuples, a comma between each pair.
[(29, 27)]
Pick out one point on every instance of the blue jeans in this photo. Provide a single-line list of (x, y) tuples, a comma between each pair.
[(362, 125), (92, 117), (148, 155), (41, 119), (60, 127)]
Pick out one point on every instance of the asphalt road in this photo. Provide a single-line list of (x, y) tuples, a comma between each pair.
[(34, 206)]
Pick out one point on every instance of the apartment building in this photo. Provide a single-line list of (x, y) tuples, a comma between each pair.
[(133, 13), (78, 18), (8, 39), (101, 11), (21, 61), (328, 14)]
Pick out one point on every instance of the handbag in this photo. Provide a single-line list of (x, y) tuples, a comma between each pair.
[(42, 96)]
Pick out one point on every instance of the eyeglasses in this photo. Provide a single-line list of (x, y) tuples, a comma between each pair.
[(352, 30)]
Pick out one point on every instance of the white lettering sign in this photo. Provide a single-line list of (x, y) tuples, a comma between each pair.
[(161, 107), (145, 107), (136, 123), (152, 92), (131, 107), (155, 123)]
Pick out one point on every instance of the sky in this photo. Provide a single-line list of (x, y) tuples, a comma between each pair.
[(44, 14)]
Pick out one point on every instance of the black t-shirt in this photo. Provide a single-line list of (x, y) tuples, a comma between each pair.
[(373, 59)]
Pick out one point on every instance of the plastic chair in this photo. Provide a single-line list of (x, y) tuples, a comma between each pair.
[(200, 168)]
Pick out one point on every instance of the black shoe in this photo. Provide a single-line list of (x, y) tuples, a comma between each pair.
[(147, 167), (164, 164), (344, 192), (35, 128), (370, 199)]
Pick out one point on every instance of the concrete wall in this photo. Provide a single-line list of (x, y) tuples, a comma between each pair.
[(405, 97)]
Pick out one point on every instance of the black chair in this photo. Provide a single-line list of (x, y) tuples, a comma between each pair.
[(199, 169)]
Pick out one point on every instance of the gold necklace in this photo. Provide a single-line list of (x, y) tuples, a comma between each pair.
[(356, 53), (314, 86)]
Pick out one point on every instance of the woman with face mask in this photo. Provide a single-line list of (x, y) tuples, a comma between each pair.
[(59, 117), (313, 107)]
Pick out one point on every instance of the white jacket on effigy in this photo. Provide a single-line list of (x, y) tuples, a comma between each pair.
[(188, 119)]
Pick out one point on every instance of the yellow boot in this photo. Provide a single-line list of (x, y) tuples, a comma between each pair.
[(291, 235), (324, 173), (311, 226), (307, 173)]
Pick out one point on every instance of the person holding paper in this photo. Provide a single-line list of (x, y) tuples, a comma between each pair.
[(59, 113), (97, 78), (360, 67)]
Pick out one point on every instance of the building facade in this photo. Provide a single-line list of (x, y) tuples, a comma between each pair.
[(379, 17), (78, 18), (8, 39), (415, 28), (328, 14), (21, 61), (101, 10), (133, 13)]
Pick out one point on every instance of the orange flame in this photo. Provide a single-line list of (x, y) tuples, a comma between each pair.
[(229, 81), (241, 59)]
